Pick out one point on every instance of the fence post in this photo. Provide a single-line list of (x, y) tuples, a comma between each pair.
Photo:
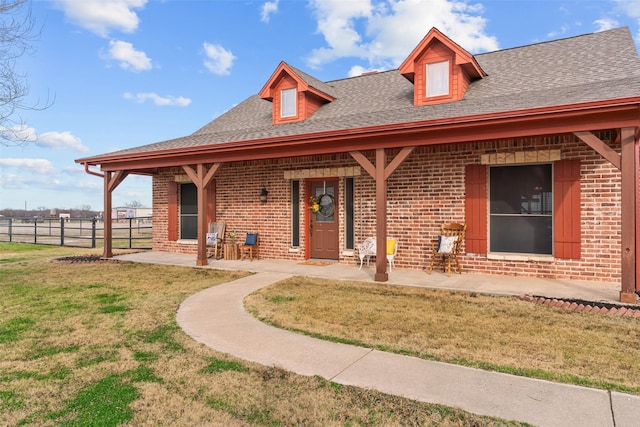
[(61, 231), (10, 230), (130, 233), (93, 233), (35, 230)]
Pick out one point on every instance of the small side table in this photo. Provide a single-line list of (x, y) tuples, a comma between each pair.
[(232, 251)]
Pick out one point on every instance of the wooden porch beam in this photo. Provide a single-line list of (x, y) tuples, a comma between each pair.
[(397, 161), (202, 177), (381, 173), (111, 182), (629, 201), (364, 162), (600, 147), (117, 179)]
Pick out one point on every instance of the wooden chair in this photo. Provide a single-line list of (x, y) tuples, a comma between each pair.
[(250, 246), (215, 238), (447, 246)]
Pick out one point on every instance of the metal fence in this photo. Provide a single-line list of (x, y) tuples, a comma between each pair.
[(127, 233)]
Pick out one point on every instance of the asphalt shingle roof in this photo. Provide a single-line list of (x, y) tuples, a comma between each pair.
[(591, 67)]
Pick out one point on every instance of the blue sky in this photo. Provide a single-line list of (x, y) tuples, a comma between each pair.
[(123, 73)]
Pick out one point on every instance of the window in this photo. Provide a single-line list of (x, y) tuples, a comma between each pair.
[(188, 211), (288, 102), (349, 211), (521, 209), (295, 213), (438, 78)]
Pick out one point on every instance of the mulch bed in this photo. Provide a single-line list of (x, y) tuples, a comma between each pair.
[(586, 306), (85, 259)]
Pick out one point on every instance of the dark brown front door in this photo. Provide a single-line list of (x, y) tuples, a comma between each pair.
[(323, 225)]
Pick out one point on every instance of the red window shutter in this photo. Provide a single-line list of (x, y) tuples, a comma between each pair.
[(475, 204), (211, 202), (172, 211), (566, 209)]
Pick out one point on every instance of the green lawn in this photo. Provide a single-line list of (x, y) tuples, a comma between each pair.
[(97, 344)]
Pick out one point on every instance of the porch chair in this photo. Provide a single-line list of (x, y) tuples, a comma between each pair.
[(215, 238), (250, 247), (447, 246), (367, 249), (392, 250)]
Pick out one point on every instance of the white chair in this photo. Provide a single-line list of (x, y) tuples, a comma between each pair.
[(368, 248)]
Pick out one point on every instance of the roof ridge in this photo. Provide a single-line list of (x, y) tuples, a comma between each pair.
[(553, 41)]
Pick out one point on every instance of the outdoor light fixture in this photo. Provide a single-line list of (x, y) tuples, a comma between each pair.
[(263, 195)]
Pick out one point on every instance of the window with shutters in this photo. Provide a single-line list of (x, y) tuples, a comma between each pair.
[(521, 209), (188, 211)]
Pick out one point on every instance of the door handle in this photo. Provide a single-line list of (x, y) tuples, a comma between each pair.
[(310, 228)]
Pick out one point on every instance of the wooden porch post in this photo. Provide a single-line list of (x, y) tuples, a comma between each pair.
[(380, 173), (111, 181), (627, 163), (381, 217), (636, 156), (629, 201), (202, 177), (107, 217)]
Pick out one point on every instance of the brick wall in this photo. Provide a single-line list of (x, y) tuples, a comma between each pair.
[(425, 191)]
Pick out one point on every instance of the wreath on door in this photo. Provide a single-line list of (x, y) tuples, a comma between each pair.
[(322, 205)]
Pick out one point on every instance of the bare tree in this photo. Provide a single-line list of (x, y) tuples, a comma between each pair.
[(133, 204), (16, 38)]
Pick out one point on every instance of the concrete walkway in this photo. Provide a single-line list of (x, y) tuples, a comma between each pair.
[(216, 318)]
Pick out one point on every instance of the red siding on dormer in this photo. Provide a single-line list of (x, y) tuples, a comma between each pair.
[(309, 98), (286, 82), (437, 47), (458, 80), (311, 105)]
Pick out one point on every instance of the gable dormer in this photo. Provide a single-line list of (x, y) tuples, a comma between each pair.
[(440, 70), (295, 95)]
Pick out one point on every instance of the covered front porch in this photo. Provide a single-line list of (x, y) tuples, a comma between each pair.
[(480, 283)]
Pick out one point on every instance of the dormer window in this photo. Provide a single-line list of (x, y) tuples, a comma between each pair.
[(440, 70), (294, 95), (438, 78), (288, 107)]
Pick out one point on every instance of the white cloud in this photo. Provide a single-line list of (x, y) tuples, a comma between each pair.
[(383, 33), (218, 59), (128, 57), (555, 34), (61, 141), (631, 8), (41, 166), (102, 16), (268, 9), (161, 101), (358, 70), (18, 134), (606, 24), (52, 139)]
